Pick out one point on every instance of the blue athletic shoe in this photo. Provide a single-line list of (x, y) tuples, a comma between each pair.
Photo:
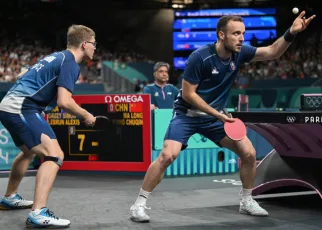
[(15, 202), (44, 218)]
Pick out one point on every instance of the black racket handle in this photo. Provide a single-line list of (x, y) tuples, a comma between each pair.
[(226, 113), (102, 117)]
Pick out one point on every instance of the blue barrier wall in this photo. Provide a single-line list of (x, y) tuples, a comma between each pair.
[(201, 162), (8, 150), (201, 156)]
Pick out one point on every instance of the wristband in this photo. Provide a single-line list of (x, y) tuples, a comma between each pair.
[(288, 36)]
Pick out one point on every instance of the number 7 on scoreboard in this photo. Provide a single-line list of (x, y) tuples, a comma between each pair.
[(82, 138)]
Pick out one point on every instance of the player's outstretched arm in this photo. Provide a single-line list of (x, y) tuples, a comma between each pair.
[(275, 50), (189, 95), (67, 103)]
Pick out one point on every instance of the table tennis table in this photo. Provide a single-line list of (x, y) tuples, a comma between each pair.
[(295, 163)]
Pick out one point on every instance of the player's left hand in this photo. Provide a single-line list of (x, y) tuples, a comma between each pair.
[(300, 23), (89, 120)]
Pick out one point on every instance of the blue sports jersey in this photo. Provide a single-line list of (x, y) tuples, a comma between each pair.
[(36, 90), (213, 75), (162, 98)]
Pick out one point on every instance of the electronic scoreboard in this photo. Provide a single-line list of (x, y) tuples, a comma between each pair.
[(122, 144)]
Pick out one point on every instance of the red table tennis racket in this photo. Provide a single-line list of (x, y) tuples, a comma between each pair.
[(235, 130)]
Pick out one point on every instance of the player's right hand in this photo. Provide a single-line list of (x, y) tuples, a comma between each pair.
[(89, 120), (222, 117)]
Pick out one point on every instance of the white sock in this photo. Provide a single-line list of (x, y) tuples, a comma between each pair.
[(36, 211), (246, 194), (142, 197), (11, 196)]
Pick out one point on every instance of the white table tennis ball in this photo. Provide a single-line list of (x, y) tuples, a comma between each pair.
[(295, 10)]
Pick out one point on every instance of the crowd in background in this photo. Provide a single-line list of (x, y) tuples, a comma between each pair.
[(15, 56)]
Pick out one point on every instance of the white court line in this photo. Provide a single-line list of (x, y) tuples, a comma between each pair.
[(286, 194)]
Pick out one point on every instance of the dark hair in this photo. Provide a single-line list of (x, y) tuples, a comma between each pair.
[(158, 65), (223, 21)]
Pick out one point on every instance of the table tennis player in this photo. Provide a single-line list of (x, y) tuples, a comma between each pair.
[(209, 74)]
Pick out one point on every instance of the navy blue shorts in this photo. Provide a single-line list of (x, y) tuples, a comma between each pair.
[(26, 129), (182, 127)]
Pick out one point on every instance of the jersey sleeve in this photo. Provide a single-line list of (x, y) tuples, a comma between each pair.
[(69, 73), (247, 53), (175, 91), (192, 72), (147, 90)]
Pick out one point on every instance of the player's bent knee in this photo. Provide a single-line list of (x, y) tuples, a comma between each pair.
[(250, 156), (58, 153), (48, 147), (166, 159), (56, 160)]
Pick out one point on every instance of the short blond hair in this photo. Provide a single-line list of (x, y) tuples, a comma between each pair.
[(76, 34)]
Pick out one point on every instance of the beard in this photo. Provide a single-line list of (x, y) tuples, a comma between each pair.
[(230, 48)]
